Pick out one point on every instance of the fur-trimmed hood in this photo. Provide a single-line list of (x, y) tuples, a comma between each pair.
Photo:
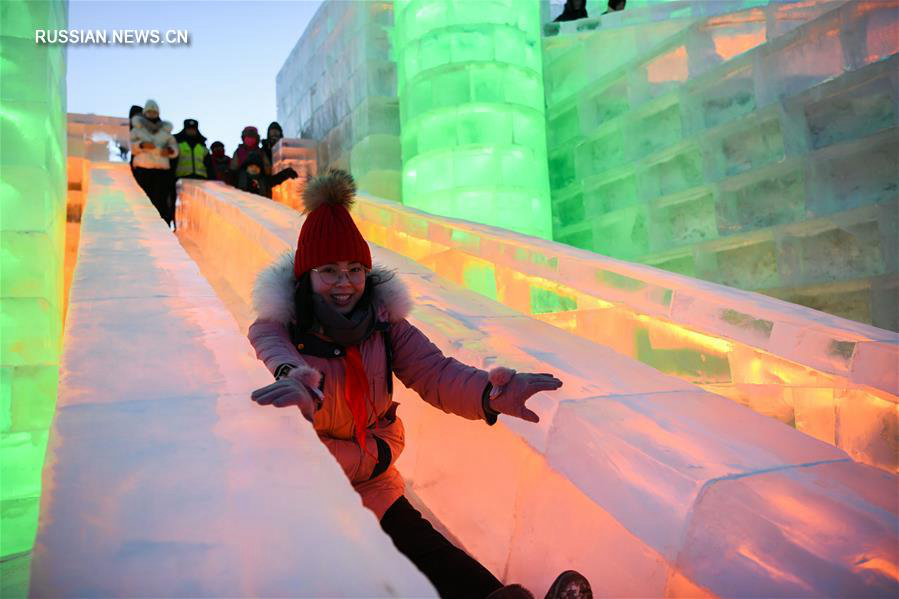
[(274, 289)]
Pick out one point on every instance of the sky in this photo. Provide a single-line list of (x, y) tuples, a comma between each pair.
[(225, 78)]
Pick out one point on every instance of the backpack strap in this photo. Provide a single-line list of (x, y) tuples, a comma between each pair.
[(384, 328)]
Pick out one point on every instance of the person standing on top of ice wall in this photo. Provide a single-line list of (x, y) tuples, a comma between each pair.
[(250, 145), (332, 329), (275, 134)]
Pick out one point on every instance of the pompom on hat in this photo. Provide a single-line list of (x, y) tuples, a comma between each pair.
[(329, 234)]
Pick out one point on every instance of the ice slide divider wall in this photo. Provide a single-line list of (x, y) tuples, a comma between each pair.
[(162, 478), (829, 377), (649, 484)]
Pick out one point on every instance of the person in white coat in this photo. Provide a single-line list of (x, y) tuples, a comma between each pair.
[(152, 146)]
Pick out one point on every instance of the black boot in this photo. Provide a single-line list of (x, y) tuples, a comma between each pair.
[(570, 585), (511, 591), (574, 10), (615, 6)]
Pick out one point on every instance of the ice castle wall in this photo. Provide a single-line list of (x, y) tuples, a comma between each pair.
[(756, 148), (33, 133), (338, 86)]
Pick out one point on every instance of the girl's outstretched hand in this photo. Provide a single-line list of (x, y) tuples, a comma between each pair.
[(512, 389), (287, 392)]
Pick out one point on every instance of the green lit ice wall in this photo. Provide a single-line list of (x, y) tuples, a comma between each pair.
[(473, 130), (32, 220)]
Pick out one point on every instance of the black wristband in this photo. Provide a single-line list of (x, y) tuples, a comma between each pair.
[(283, 370), (490, 415)]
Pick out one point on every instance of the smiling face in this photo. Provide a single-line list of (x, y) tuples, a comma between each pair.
[(340, 284)]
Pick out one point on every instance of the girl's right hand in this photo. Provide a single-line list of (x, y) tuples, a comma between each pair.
[(288, 392)]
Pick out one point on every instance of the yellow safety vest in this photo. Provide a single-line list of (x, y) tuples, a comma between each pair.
[(191, 161)]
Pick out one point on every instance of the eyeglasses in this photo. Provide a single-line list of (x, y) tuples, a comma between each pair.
[(331, 274)]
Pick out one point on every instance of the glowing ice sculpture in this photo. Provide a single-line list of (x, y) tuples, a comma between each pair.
[(33, 204), (470, 87)]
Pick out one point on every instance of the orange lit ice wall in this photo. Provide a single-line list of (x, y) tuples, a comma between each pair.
[(829, 377)]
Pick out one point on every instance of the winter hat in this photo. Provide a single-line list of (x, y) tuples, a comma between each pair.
[(274, 125), (253, 157), (249, 131), (329, 233), (191, 123), (151, 105)]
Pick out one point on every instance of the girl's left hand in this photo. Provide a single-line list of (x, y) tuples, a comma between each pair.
[(511, 396)]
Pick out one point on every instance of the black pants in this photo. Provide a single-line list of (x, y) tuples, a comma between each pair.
[(453, 572), (157, 183)]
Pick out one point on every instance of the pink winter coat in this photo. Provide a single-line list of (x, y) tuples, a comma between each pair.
[(443, 382)]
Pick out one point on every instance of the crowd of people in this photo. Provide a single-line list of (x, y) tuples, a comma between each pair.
[(159, 158)]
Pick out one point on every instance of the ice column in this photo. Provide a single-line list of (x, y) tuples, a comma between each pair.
[(32, 220), (473, 132)]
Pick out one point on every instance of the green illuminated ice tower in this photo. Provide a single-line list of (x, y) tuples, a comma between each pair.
[(32, 222), (470, 87)]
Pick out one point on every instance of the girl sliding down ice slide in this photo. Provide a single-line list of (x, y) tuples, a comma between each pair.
[(333, 332)]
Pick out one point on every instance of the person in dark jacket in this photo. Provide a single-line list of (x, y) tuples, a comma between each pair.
[(135, 110), (218, 163), (251, 176), (251, 170), (275, 134), (193, 157), (249, 138)]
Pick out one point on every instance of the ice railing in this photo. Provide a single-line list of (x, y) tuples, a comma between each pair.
[(648, 484), (831, 378), (162, 478)]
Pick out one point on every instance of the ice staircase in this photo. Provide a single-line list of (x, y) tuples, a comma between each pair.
[(754, 148)]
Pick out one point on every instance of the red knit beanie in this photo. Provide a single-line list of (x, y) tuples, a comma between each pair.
[(329, 233)]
